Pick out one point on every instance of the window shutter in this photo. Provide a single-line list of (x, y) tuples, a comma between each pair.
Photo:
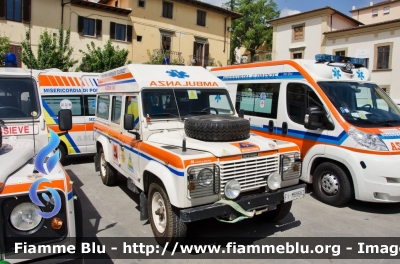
[(112, 30), (2, 9), (26, 11), (129, 33), (206, 51), (99, 25), (17, 50), (80, 25)]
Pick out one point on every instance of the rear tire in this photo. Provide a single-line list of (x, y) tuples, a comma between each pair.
[(281, 211), (331, 184), (165, 223), (107, 172)]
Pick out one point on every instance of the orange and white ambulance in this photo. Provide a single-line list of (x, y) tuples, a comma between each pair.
[(54, 217), (75, 91), (172, 132), (347, 128)]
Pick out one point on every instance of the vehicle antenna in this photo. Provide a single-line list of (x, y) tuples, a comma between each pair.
[(33, 112), (179, 115)]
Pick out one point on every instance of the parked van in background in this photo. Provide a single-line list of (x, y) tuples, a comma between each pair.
[(75, 91), (347, 128)]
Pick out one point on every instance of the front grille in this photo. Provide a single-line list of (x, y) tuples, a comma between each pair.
[(250, 173)]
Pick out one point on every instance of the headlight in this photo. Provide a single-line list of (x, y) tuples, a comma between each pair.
[(371, 141), (286, 162), (24, 216), (232, 189), (205, 177), (274, 181)]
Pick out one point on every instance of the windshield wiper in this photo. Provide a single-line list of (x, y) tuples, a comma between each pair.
[(199, 112), (359, 118), (163, 114)]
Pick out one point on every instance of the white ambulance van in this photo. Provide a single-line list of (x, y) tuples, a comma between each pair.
[(75, 91), (24, 152), (347, 128), (171, 130)]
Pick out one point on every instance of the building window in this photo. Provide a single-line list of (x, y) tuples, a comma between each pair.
[(121, 32), (340, 53), (201, 53), (139, 38), (116, 3), (16, 10), (298, 32), (386, 10), (201, 18), (383, 57), (141, 3), (89, 26), (375, 12), (165, 43), (167, 9), (297, 55)]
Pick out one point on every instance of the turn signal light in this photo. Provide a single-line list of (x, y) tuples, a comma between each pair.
[(191, 186), (56, 223)]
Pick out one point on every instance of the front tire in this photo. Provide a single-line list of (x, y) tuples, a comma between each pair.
[(165, 223), (63, 153), (331, 184), (108, 174), (281, 211)]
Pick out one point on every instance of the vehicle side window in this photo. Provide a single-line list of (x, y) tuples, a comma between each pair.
[(116, 109), (300, 97), (258, 99), (91, 105), (131, 107), (54, 103), (103, 106)]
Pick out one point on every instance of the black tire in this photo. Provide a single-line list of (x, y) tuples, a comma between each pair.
[(63, 153), (107, 173), (331, 184), (217, 128), (281, 211), (175, 230)]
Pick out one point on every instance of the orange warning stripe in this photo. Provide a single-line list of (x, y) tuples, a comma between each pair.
[(116, 78), (24, 187), (75, 128)]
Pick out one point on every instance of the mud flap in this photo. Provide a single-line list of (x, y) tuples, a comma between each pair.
[(96, 162), (143, 207)]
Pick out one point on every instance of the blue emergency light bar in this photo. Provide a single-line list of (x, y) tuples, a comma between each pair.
[(337, 58), (10, 60)]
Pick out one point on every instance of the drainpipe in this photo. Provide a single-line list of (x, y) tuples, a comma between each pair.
[(62, 12), (225, 33)]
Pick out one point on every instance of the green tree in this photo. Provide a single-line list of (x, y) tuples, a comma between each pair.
[(53, 52), (252, 30), (4, 48), (101, 60), (159, 56)]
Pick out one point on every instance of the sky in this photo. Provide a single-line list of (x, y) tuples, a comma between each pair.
[(291, 7)]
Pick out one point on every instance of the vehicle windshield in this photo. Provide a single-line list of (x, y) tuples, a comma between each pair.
[(18, 98), (362, 104), (172, 103)]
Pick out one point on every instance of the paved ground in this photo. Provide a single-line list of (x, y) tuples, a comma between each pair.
[(113, 212)]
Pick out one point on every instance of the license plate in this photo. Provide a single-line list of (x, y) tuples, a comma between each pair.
[(294, 194)]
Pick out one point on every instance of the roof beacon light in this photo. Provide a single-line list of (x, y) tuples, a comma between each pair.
[(10, 60), (337, 58)]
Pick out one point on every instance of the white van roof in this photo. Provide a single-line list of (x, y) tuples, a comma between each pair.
[(134, 77)]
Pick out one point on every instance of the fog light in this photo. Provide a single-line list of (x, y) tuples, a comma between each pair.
[(56, 223), (274, 181), (232, 189)]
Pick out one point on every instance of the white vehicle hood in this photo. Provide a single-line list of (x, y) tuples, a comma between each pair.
[(13, 155), (218, 149)]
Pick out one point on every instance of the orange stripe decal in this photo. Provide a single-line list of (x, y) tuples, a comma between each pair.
[(20, 188), (52, 80), (116, 78), (75, 128), (71, 80), (43, 80)]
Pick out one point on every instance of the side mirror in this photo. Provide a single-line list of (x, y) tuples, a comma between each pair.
[(65, 119), (312, 119), (241, 113), (129, 122)]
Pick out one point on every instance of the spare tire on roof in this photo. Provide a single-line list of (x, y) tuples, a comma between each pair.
[(217, 128)]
